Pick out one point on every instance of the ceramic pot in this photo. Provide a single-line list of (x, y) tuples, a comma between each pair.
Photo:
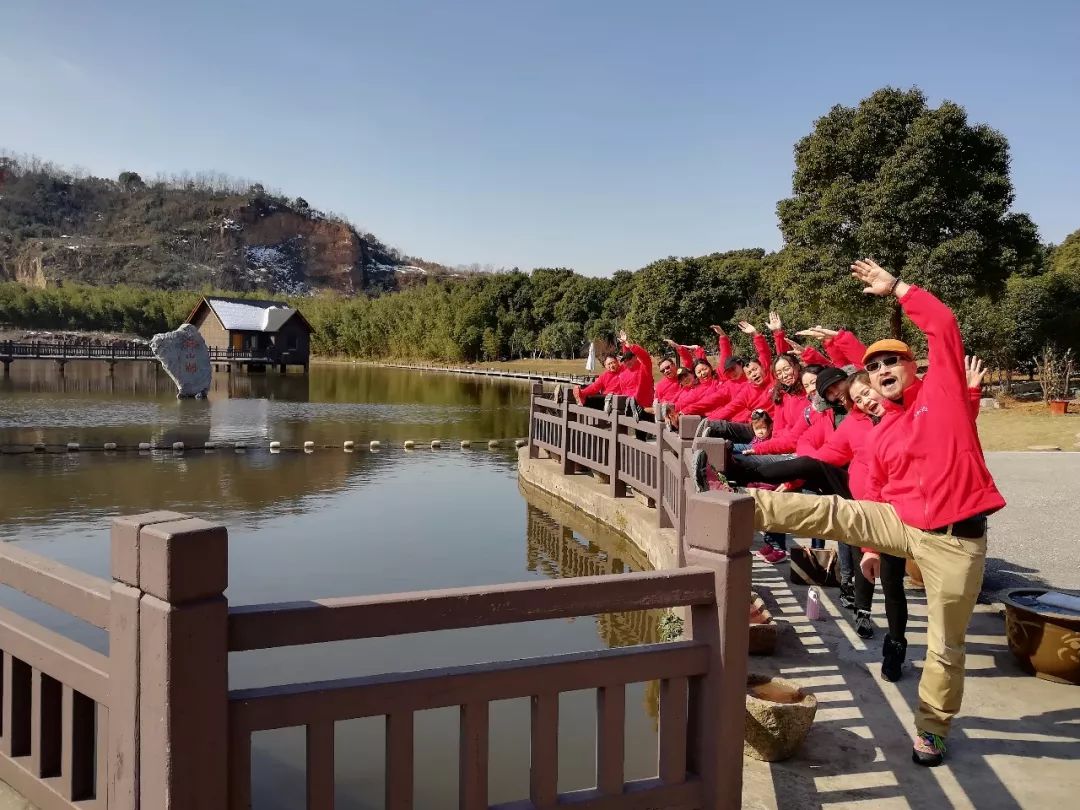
[(1045, 642)]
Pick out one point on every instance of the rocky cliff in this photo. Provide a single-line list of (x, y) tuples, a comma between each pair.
[(57, 228)]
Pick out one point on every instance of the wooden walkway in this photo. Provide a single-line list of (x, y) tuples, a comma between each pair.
[(535, 376)]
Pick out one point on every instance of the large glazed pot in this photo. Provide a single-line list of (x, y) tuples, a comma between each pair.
[(778, 716), (1045, 641)]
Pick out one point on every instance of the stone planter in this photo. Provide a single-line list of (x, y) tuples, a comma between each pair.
[(778, 716), (1045, 642), (763, 630), (1059, 407)]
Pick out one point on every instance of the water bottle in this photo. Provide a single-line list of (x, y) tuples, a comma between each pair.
[(813, 605)]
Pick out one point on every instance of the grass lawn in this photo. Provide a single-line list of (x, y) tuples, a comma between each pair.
[(1021, 425)]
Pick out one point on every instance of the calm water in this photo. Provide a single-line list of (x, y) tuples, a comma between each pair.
[(330, 523)]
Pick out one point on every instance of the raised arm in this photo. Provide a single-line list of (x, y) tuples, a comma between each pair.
[(723, 348)]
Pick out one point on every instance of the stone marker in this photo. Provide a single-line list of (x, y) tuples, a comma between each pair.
[(185, 358), (144, 445), (493, 443), (349, 445), (1043, 448), (466, 444), (409, 444), (275, 445), (435, 444), (209, 445), (374, 444), (309, 445), (110, 445), (178, 446), (73, 447)]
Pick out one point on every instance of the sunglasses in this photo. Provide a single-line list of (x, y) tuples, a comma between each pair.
[(884, 362)]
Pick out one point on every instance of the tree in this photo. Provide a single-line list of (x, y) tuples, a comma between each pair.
[(920, 189), (131, 181), (679, 298)]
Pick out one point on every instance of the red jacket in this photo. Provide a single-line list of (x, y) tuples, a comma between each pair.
[(715, 394), (666, 390), (791, 419), (821, 430), (845, 449), (927, 460), (688, 354), (637, 382), (606, 383), (845, 349)]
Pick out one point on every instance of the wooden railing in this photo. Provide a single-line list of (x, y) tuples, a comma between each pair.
[(644, 456), (56, 694), (9, 350), (154, 725)]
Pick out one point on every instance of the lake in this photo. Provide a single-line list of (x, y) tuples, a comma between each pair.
[(330, 523)]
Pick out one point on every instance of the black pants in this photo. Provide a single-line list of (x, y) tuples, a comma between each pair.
[(827, 479), (738, 432), (892, 587)]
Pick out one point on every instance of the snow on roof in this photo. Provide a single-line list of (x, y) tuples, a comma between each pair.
[(250, 316)]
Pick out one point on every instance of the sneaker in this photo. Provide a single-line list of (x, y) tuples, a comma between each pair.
[(765, 552), (777, 555), (847, 594), (633, 410), (928, 750), (892, 658), (557, 394), (706, 477), (864, 627), (702, 431), (609, 404)]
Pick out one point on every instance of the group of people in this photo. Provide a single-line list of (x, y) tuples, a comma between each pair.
[(849, 444)]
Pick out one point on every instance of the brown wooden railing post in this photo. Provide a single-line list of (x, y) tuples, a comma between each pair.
[(687, 427), (537, 391), (616, 488), (183, 665), (719, 529), (122, 761), (568, 466)]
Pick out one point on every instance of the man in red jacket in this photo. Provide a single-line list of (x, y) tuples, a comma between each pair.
[(927, 497)]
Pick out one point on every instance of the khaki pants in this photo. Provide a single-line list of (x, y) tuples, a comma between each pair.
[(952, 569)]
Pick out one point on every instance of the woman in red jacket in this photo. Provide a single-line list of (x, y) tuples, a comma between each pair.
[(732, 420)]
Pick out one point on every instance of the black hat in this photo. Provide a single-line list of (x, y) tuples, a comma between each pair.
[(830, 375), (731, 362)]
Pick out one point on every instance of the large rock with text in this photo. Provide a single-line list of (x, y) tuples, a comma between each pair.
[(185, 358)]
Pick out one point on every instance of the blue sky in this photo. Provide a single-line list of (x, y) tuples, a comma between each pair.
[(589, 134)]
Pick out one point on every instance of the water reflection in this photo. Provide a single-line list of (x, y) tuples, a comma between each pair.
[(331, 404)]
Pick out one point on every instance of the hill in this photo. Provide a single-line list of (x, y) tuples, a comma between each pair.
[(185, 233)]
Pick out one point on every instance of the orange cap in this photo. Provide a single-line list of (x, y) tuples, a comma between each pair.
[(888, 346)]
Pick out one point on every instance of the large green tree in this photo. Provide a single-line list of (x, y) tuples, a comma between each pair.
[(921, 189)]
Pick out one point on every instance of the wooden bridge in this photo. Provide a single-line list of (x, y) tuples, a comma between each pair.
[(63, 353)]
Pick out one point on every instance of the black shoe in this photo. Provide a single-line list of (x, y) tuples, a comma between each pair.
[(847, 594), (935, 756), (699, 462), (633, 410), (702, 431), (892, 658), (864, 627)]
